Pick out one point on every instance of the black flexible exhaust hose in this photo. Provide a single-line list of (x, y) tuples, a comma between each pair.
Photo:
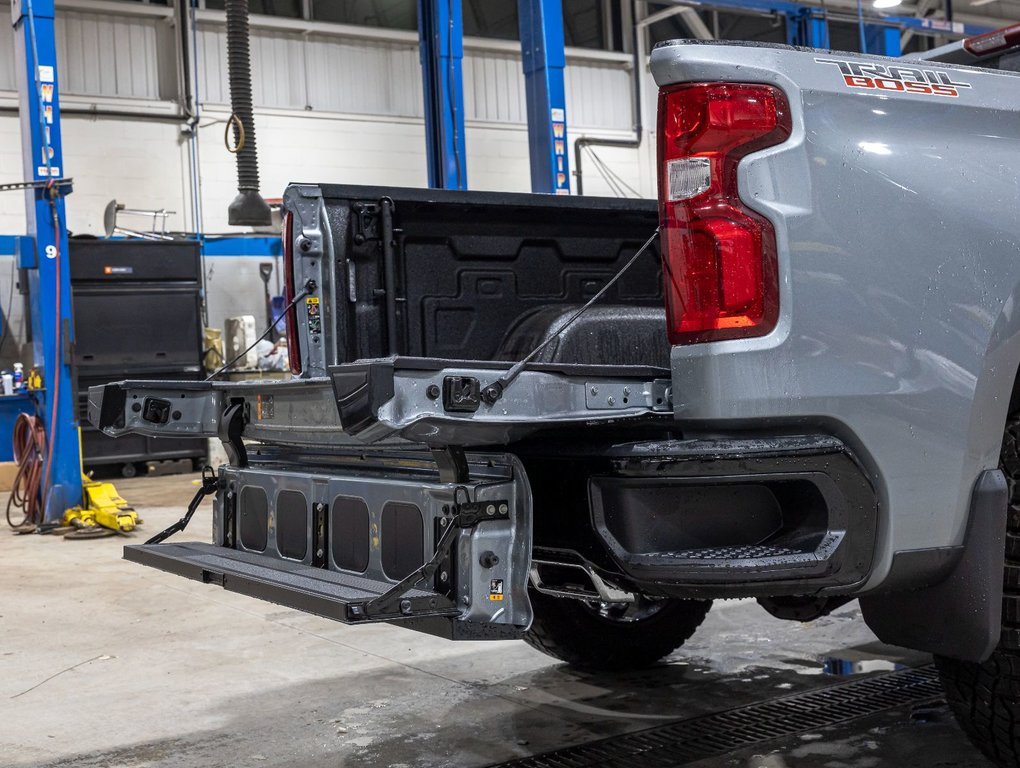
[(248, 208)]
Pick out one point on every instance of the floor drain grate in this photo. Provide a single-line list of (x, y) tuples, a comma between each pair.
[(723, 732)]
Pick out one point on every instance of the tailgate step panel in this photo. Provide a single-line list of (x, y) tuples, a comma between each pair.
[(324, 593), (329, 594)]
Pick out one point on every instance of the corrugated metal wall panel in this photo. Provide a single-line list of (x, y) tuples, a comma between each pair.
[(100, 55), (212, 65), (103, 55), (278, 69), (364, 77), (8, 71), (372, 77), (598, 95), (494, 87)]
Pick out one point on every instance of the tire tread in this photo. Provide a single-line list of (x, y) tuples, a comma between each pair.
[(566, 630)]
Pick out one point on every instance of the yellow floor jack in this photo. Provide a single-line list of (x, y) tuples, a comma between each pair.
[(104, 512)]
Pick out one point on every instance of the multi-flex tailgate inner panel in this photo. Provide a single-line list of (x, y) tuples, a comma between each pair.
[(391, 536)]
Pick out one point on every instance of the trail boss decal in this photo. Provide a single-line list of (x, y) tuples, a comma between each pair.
[(880, 77)]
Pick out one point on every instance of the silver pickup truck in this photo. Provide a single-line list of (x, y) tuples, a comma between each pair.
[(804, 389)]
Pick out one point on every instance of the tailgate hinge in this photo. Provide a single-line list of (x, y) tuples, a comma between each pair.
[(452, 463), (231, 427)]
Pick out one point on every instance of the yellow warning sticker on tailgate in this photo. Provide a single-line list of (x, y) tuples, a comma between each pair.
[(496, 589)]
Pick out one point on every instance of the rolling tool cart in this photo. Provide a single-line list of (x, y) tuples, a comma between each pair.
[(137, 315)]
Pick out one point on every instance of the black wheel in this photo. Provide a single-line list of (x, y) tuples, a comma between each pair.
[(985, 698), (128, 470), (610, 636)]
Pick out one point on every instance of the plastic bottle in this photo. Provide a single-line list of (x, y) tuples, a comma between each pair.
[(7, 382), (19, 377)]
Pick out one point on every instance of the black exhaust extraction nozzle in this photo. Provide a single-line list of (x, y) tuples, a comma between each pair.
[(248, 209)]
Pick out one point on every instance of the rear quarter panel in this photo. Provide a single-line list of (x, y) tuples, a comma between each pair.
[(898, 224)]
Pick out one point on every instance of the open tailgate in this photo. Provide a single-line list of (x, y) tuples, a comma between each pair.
[(425, 400)]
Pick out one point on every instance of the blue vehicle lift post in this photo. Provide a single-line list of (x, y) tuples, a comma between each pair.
[(543, 58), (441, 46), (808, 28), (882, 40), (47, 263)]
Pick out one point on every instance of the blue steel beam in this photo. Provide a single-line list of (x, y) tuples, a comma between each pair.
[(49, 283), (441, 47), (543, 58), (937, 26), (923, 26)]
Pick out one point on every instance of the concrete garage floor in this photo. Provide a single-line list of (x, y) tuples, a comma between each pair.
[(108, 664)]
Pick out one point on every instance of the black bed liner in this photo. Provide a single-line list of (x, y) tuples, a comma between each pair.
[(464, 268)]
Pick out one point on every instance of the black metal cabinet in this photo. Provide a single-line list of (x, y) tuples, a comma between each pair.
[(137, 315)]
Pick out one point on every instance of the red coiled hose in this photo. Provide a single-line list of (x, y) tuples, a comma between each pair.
[(29, 453)]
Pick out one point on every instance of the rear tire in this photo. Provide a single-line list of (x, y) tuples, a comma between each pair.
[(985, 698), (596, 636)]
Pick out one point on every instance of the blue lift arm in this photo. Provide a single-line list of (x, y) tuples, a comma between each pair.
[(543, 58), (49, 282), (441, 46)]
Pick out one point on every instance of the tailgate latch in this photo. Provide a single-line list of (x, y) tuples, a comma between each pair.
[(461, 394)]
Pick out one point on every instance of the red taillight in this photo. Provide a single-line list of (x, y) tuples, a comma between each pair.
[(293, 350), (718, 256)]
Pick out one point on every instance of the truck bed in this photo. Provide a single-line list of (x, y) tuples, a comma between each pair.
[(448, 275)]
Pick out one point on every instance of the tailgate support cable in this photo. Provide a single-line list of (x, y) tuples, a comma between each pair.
[(309, 288), (210, 484), (493, 392)]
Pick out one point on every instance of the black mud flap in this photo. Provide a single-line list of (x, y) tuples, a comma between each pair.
[(959, 612)]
